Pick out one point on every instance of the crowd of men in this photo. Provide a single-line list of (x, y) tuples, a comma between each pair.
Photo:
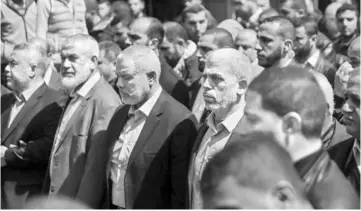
[(108, 108)]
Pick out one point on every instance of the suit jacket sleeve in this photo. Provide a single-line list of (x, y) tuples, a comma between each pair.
[(92, 183), (182, 141), (37, 152)]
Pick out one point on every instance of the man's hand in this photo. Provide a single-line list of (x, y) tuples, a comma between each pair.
[(341, 79), (3, 150)]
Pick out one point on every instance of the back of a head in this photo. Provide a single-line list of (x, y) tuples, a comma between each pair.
[(296, 5), (144, 58), (293, 89), (194, 8), (174, 30), (111, 50), (286, 28), (58, 202), (221, 37), (238, 64), (255, 162), (232, 26), (331, 9)]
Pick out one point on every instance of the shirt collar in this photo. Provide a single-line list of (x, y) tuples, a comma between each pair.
[(25, 95), (356, 146), (88, 85), (147, 107), (314, 58), (230, 122)]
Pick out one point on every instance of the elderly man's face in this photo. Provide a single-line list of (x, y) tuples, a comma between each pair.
[(196, 24), (17, 72), (270, 48), (133, 85), (220, 86), (257, 118), (351, 108), (76, 65), (347, 22)]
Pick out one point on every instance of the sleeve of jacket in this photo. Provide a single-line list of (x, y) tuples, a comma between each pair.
[(43, 12), (37, 152), (182, 141), (91, 188)]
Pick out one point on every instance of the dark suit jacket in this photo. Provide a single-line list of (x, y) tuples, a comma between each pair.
[(172, 83), (79, 160), (343, 156), (156, 176), (35, 124)]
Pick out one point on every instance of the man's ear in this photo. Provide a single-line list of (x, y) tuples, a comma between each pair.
[(33, 68), (288, 45), (301, 13), (284, 194), (94, 62), (314, 38), (153, 43), (292, 123), (152, 77), (242, 86)]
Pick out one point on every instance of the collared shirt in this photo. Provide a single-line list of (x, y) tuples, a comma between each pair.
[(356, 153), (124, 147), (21, 100), (213, 142), (312, 61), (75, 102)]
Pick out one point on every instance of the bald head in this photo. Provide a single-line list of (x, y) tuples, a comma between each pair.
[(282, 26), (232, 26), (86, 45), (354, 52), (331, 9), (174, 31), (59, 202), (247, 35), (237, 64), (149, 26), (218, 37), (140, 59)]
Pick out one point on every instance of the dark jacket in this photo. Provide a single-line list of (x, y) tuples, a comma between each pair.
[(343, 156), (172, 83), (78, 161), (35, 124), (341, 44), (326, 186), (335, 134), (156, 176)]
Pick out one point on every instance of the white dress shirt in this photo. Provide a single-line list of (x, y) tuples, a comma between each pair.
[(124, 147), (72, 107), (214, 140), (21, 100), (312, 61)]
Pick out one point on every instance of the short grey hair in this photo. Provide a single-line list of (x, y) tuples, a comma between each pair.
[(89, 43), (144, 58), (238, 63)]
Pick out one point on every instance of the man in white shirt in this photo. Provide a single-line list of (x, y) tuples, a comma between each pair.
[(79, 154), (150, 138), (226, 76), (29, 117)]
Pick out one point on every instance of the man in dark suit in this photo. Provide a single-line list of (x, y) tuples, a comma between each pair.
[(150, 138), (307, 52), (226, 76), (289, 103), (29, 117), (149, 32), (347, 154), (79, 154)]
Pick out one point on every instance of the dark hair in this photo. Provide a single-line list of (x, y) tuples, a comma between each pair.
[(286, 28), (256, 160), (221, 37), (293, 89), (104, 1), (195, 8), (174, 30), (123, 13), (310, 25), (346, 7), (155, 29), (111, 50)]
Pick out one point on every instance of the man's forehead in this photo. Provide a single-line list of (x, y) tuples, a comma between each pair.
[(139, 27), (347, 14), (268, 29), (78, 48), (196, 16), (206, 40)]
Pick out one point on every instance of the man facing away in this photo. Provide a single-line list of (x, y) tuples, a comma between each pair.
[(79, 154), (226, 76), (150, 138)]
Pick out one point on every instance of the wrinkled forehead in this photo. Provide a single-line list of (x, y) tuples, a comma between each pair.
[(269, 29), (125, 65), (139, 27), (78, 48)]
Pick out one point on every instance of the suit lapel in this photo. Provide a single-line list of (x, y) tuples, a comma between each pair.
[(149, 126), (31, 103), (9, 101)]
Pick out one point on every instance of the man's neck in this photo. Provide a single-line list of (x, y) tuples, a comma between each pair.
[(283, 62), (303, 147), (222, 114), (30, 85), (149, 95)]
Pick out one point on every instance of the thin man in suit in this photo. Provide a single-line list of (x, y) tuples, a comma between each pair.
[(150, 138), (29, 117), (78, 158)]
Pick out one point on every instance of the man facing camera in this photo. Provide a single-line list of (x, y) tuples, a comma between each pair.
[(150, 138), (29, 117)]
